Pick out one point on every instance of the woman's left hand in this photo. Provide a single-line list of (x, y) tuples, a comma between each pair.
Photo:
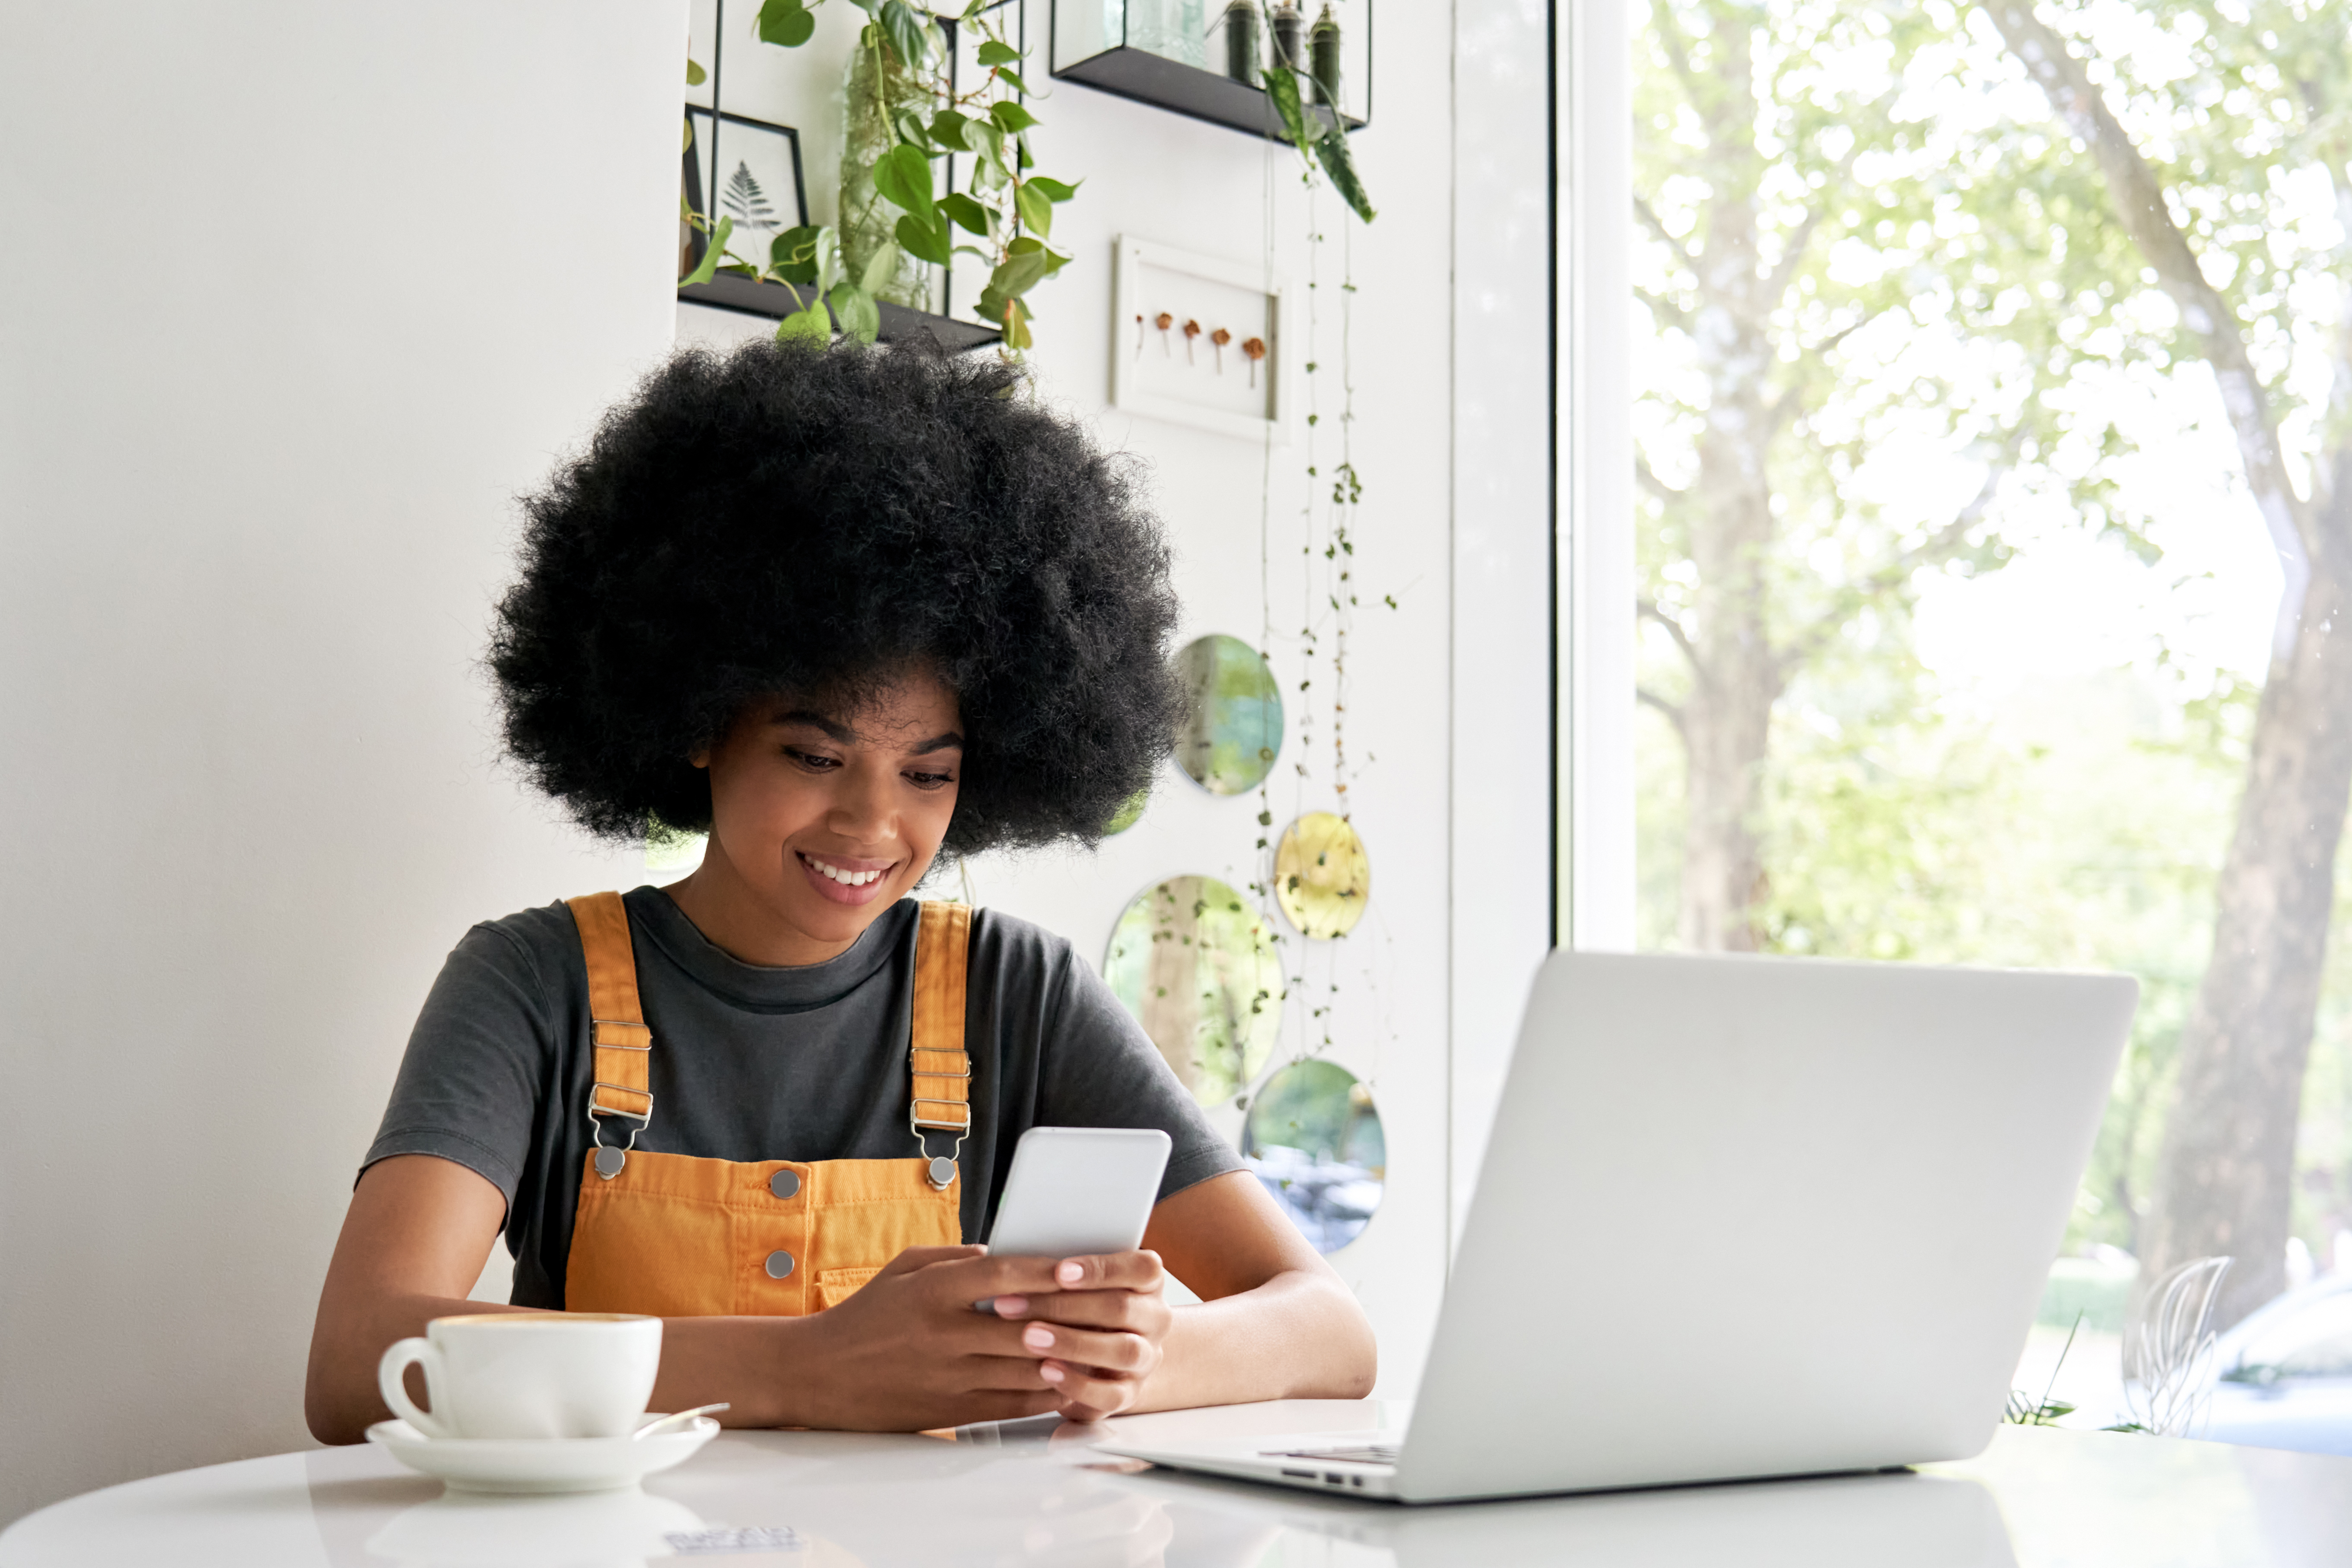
[(1099, 1333)]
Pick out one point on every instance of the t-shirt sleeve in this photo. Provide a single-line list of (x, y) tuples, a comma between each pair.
[(1102, 1070), (469, 1084)]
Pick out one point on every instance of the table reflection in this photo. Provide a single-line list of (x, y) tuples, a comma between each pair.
[(1038, 1493)]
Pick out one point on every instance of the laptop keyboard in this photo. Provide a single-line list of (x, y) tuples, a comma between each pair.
[(1370, 1454)]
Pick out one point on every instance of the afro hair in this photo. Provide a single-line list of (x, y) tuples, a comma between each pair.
[(783, 519)]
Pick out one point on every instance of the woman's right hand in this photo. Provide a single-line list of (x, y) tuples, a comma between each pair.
[(908, 1352)]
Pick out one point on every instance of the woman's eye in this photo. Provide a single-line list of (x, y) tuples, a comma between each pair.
[(929, 780), (813, 761)]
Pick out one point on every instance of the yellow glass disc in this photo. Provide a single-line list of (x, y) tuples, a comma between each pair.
[(1322, 878)]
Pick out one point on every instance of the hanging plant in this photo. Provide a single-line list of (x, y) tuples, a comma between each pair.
[(1006, 209)]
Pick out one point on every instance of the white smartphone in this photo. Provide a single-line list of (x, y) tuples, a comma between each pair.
[(1075, 1191)]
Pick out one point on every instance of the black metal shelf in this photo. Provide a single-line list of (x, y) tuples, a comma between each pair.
[(726, 292), (1173, 85)]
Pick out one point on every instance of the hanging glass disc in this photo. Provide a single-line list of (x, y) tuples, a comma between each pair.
[(1128, 814), (1196, 966), (1234, 730), (1313, 1138), (1321, 877)]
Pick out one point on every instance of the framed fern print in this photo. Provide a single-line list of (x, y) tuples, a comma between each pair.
[(745, 170)]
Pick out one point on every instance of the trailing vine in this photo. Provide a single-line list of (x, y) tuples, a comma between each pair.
[(1329, 605)]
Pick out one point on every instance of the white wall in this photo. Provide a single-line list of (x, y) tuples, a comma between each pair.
[(255, 498), (294, 298)]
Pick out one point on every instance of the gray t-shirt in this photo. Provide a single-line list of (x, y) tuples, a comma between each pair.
[(751, 1063)]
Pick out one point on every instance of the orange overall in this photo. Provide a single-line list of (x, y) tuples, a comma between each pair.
[(675, 1236)]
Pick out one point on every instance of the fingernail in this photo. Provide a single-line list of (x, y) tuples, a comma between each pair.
[(1037, 1337), (1050, 1372), (1011, 1306), (1070, 1273)]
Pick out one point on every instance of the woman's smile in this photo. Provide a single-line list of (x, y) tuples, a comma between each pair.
[(846, 880)]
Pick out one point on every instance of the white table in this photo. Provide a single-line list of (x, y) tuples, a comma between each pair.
[(1029, 1493)]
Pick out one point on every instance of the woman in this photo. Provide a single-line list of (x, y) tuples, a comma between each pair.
[(842, 610)]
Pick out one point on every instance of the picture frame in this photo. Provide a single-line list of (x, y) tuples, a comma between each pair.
[(746, 169), (1191, 379)]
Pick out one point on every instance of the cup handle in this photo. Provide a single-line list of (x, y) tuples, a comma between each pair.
[(394, 1368)]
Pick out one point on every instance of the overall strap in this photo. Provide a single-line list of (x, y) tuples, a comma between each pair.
[(941, 1099), (621, 1081)]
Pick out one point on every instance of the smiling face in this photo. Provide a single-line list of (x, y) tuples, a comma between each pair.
[(822, 818)]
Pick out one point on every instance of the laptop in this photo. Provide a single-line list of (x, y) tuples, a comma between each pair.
[(1740, 1217)]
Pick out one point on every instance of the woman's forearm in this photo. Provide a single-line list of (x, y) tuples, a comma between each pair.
[(339, 1399), (703, 1361), (1298, 1336)]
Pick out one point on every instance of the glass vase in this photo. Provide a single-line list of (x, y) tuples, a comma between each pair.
[(878, 88)]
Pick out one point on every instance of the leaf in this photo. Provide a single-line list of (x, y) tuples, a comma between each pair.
[(993, 53), (1055, 262), (712, 254), (1282, 86), (1007, 74), (879, 266), (785, 22), (924, 241), (1341, 165), (1016, 326), (793, 255), (983, 138), (947, 128), (1035, 211), (694, 75), (828, 259), (1010, 116), (903, 176), (909, 38), (967, 214), (809, 325), (1055, 189), (1016, 275), (855, 307), (909, 127)]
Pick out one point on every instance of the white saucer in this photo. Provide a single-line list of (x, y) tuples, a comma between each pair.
[(540, 1463)]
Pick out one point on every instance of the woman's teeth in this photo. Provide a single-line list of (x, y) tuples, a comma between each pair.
[(846, 878)]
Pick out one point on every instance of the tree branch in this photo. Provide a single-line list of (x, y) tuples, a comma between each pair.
[(1776, 282), (1663, 308), (1663, 27), (1656, 225), (1939, 546), (1648, 610), (1673, 710), (2138, 199), (1647, 477)]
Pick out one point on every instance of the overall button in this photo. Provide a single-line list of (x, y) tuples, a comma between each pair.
[(784, 1184), (779, 1263)]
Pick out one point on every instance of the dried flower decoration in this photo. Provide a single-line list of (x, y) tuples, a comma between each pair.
[(1220, 337), (1139, 332), (1191, 331), (1164, 322), (1254, 350)]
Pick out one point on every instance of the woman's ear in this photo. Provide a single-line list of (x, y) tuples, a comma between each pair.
[(700, 759)]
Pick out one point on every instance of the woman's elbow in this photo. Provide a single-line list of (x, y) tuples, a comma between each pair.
[(1353, 1362)]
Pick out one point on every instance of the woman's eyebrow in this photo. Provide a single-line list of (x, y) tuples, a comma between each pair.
[(834, 729), (947, 742)]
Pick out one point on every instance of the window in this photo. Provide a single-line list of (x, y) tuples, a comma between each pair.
[(1993, 411)]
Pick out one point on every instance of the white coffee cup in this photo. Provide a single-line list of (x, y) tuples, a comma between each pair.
[(527, 1374)]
